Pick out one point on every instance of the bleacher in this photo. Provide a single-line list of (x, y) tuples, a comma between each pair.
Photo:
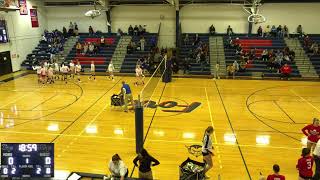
[(102, 58), (195, 68), (38, 55), (258, 66), (315, 59), (129, 63)]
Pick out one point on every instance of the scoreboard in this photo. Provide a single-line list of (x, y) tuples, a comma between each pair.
[(27, 160)]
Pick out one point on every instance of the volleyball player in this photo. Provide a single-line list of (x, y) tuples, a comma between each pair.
[(110, 70), (50, 75), (93, 71), (43, 74), (305, 164), (56, 70), (312, 131), (38, 69), (78, 70), (65, 70), (72, 69), (207, 149), (276, 175), (139, 76)]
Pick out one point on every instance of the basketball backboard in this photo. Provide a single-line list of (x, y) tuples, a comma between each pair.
[(8, 5)]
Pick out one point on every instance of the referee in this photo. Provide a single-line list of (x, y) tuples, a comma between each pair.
[(127, 95)]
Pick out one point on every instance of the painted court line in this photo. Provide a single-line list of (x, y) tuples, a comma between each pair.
[(214, 132), (304, 100)]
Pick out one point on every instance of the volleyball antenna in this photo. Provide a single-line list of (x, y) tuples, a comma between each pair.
[(252, 8)]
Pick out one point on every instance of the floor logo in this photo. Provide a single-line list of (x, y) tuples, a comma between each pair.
[(172, 106), (195, 150)]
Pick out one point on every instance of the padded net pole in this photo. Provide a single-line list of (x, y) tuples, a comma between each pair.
[(139, 125)]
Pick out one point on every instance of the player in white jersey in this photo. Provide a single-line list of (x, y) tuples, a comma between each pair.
[(38, 69), (93, 71), (56, 70), (64, 70), (78, 70), (110, 70), (72, 69), (139, 76), (50, 75)]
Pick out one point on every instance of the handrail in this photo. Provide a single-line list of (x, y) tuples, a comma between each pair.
[(158, 34)]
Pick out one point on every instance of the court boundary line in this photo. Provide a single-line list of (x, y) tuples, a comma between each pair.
[(85, 111), (44, 101), (296, 94), (214, 132), (275, 102), (232, 129)]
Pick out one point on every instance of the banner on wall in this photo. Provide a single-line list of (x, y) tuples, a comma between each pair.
[(23, 7), (34, 18)]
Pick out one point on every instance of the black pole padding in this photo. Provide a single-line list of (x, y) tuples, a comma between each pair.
[(139, 127)]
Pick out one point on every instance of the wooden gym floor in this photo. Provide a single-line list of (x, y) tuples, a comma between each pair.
[(257, 123)]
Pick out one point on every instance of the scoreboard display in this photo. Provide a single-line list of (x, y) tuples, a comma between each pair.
[(27, 160)]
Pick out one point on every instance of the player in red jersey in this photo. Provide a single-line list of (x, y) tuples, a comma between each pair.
[(312, 131), (305, 164), (276, 175)]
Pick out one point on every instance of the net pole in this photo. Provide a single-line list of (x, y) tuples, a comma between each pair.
[(139, 125)]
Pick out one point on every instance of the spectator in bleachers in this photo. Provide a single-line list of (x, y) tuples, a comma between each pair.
[(130, 30), (71, 27), (273, 31), (292, 55), (64, 32), (212, 30), (85, 48), (43, 39), (130, 48), (117, 167), (314, 48), (78, 47), (203, 60), (119, 32), (91, 32), (229, 31), (264, 55), (96, 48), (141, 30), (186, 65), (236, 66), (196, 40), (259, 31), (135, 30), (279, 31), (307, 41), (267, 31), (186, 39), (231, 71), (91, 48), (76, 29), (299, 31), (142, 43), (252, 54), (242, 66), (239, 50), (285, 31), (102, 41)]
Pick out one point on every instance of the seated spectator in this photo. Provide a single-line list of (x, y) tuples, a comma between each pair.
[(212, 30), (239, 50), (264, 55), (299, 31), (71, 27), (285, 31), (186, 65), (314, 48), (276, 175), (91, 32), (273, 31), (78, 47), (242, 66), (130, 30), (44, 39), (186, 39), (102, 41), (292, 55), (252, 54), (119, 32), (91, 48), (96, 49), (141, 30), (196, 40), (135, 30), (203, 61), (117, 168), (85, 48), (130, 48), (259, 31), (279, 31), (229, 31)]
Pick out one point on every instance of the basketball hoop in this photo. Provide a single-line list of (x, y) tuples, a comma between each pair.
[(256, 18)]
